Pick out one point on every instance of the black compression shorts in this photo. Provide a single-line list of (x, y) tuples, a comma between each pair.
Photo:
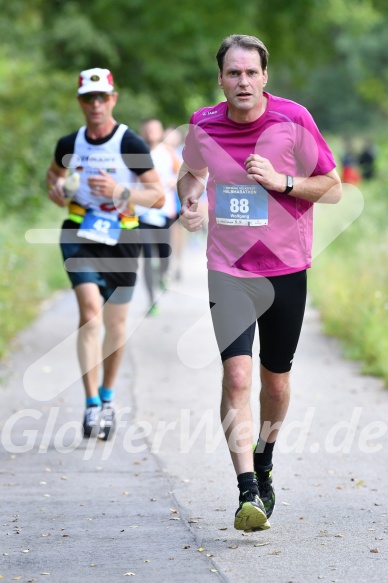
[(276, 303)]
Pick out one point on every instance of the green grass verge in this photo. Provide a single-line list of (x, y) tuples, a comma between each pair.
[(29, 273), (349, 283)]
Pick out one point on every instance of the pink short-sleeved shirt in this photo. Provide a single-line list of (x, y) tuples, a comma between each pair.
[(287, 135)]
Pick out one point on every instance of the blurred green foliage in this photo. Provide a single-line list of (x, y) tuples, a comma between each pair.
[(349, 282), (329, 55), (29, 273)]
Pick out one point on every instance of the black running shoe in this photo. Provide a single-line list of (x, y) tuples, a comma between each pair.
[(251, 515), (266, 489), (107, 421), (91, 424)]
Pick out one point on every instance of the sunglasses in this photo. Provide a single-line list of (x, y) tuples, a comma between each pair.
[(92, 97)]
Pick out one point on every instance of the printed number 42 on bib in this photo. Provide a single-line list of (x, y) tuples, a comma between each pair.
[(101, 227), (241, 205)]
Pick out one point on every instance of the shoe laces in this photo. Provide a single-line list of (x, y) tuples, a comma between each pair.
[(91, 415), (265, 487), (108, 412), (248, 496), (264, 480)]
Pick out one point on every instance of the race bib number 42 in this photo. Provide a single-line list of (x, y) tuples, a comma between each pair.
[(241, 205), (100, 226)]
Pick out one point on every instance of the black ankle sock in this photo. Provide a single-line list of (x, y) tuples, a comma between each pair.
[(263, 454), (247, 481)]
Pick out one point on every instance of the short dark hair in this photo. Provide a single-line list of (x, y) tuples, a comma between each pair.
[(245, 42), (147, 120)]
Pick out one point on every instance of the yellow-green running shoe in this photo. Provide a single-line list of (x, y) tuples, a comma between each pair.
[(250, 515), (266, 489)]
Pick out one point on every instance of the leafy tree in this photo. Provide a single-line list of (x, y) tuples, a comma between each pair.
[(328, 54)]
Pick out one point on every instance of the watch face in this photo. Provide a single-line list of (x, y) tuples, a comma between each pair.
[(290, 184)]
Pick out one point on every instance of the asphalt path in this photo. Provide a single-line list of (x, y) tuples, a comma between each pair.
[(156, 503)]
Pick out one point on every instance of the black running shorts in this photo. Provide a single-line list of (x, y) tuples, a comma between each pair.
[(112, 268), (276, 303)]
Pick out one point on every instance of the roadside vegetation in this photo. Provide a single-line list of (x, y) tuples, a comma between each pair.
[(349, 281), (29, 274)]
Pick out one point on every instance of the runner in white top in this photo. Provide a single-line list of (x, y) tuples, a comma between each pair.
[(100, 242), (155, 224)]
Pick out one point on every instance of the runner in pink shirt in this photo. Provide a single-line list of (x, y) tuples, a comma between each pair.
[(266, 164)]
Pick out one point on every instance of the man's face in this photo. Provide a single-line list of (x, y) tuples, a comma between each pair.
[(152, 132), (97, 107), (242, 80)]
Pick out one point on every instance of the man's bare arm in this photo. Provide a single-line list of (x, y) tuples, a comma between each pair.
[(191, 184), (324, 188), (55, 179), (153, 194), (150, 195)]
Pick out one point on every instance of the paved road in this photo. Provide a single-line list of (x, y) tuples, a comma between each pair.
[(157, 502)]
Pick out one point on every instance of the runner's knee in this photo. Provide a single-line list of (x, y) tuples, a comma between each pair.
[(90, 315), (237, 380), (274, 385)]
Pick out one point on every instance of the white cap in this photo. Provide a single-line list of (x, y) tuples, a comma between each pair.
[(95, 80)]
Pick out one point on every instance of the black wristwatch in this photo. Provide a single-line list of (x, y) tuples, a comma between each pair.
[(124, 196), (290, 184)]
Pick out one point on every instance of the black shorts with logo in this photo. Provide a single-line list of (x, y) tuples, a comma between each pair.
[(276, 303), (112, 268)]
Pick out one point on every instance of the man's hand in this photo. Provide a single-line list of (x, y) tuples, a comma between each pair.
[(261, 170), (55, 184), (104, 185), (190, 217)]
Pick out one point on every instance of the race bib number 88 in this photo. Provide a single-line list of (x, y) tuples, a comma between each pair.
[(241, 205)]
